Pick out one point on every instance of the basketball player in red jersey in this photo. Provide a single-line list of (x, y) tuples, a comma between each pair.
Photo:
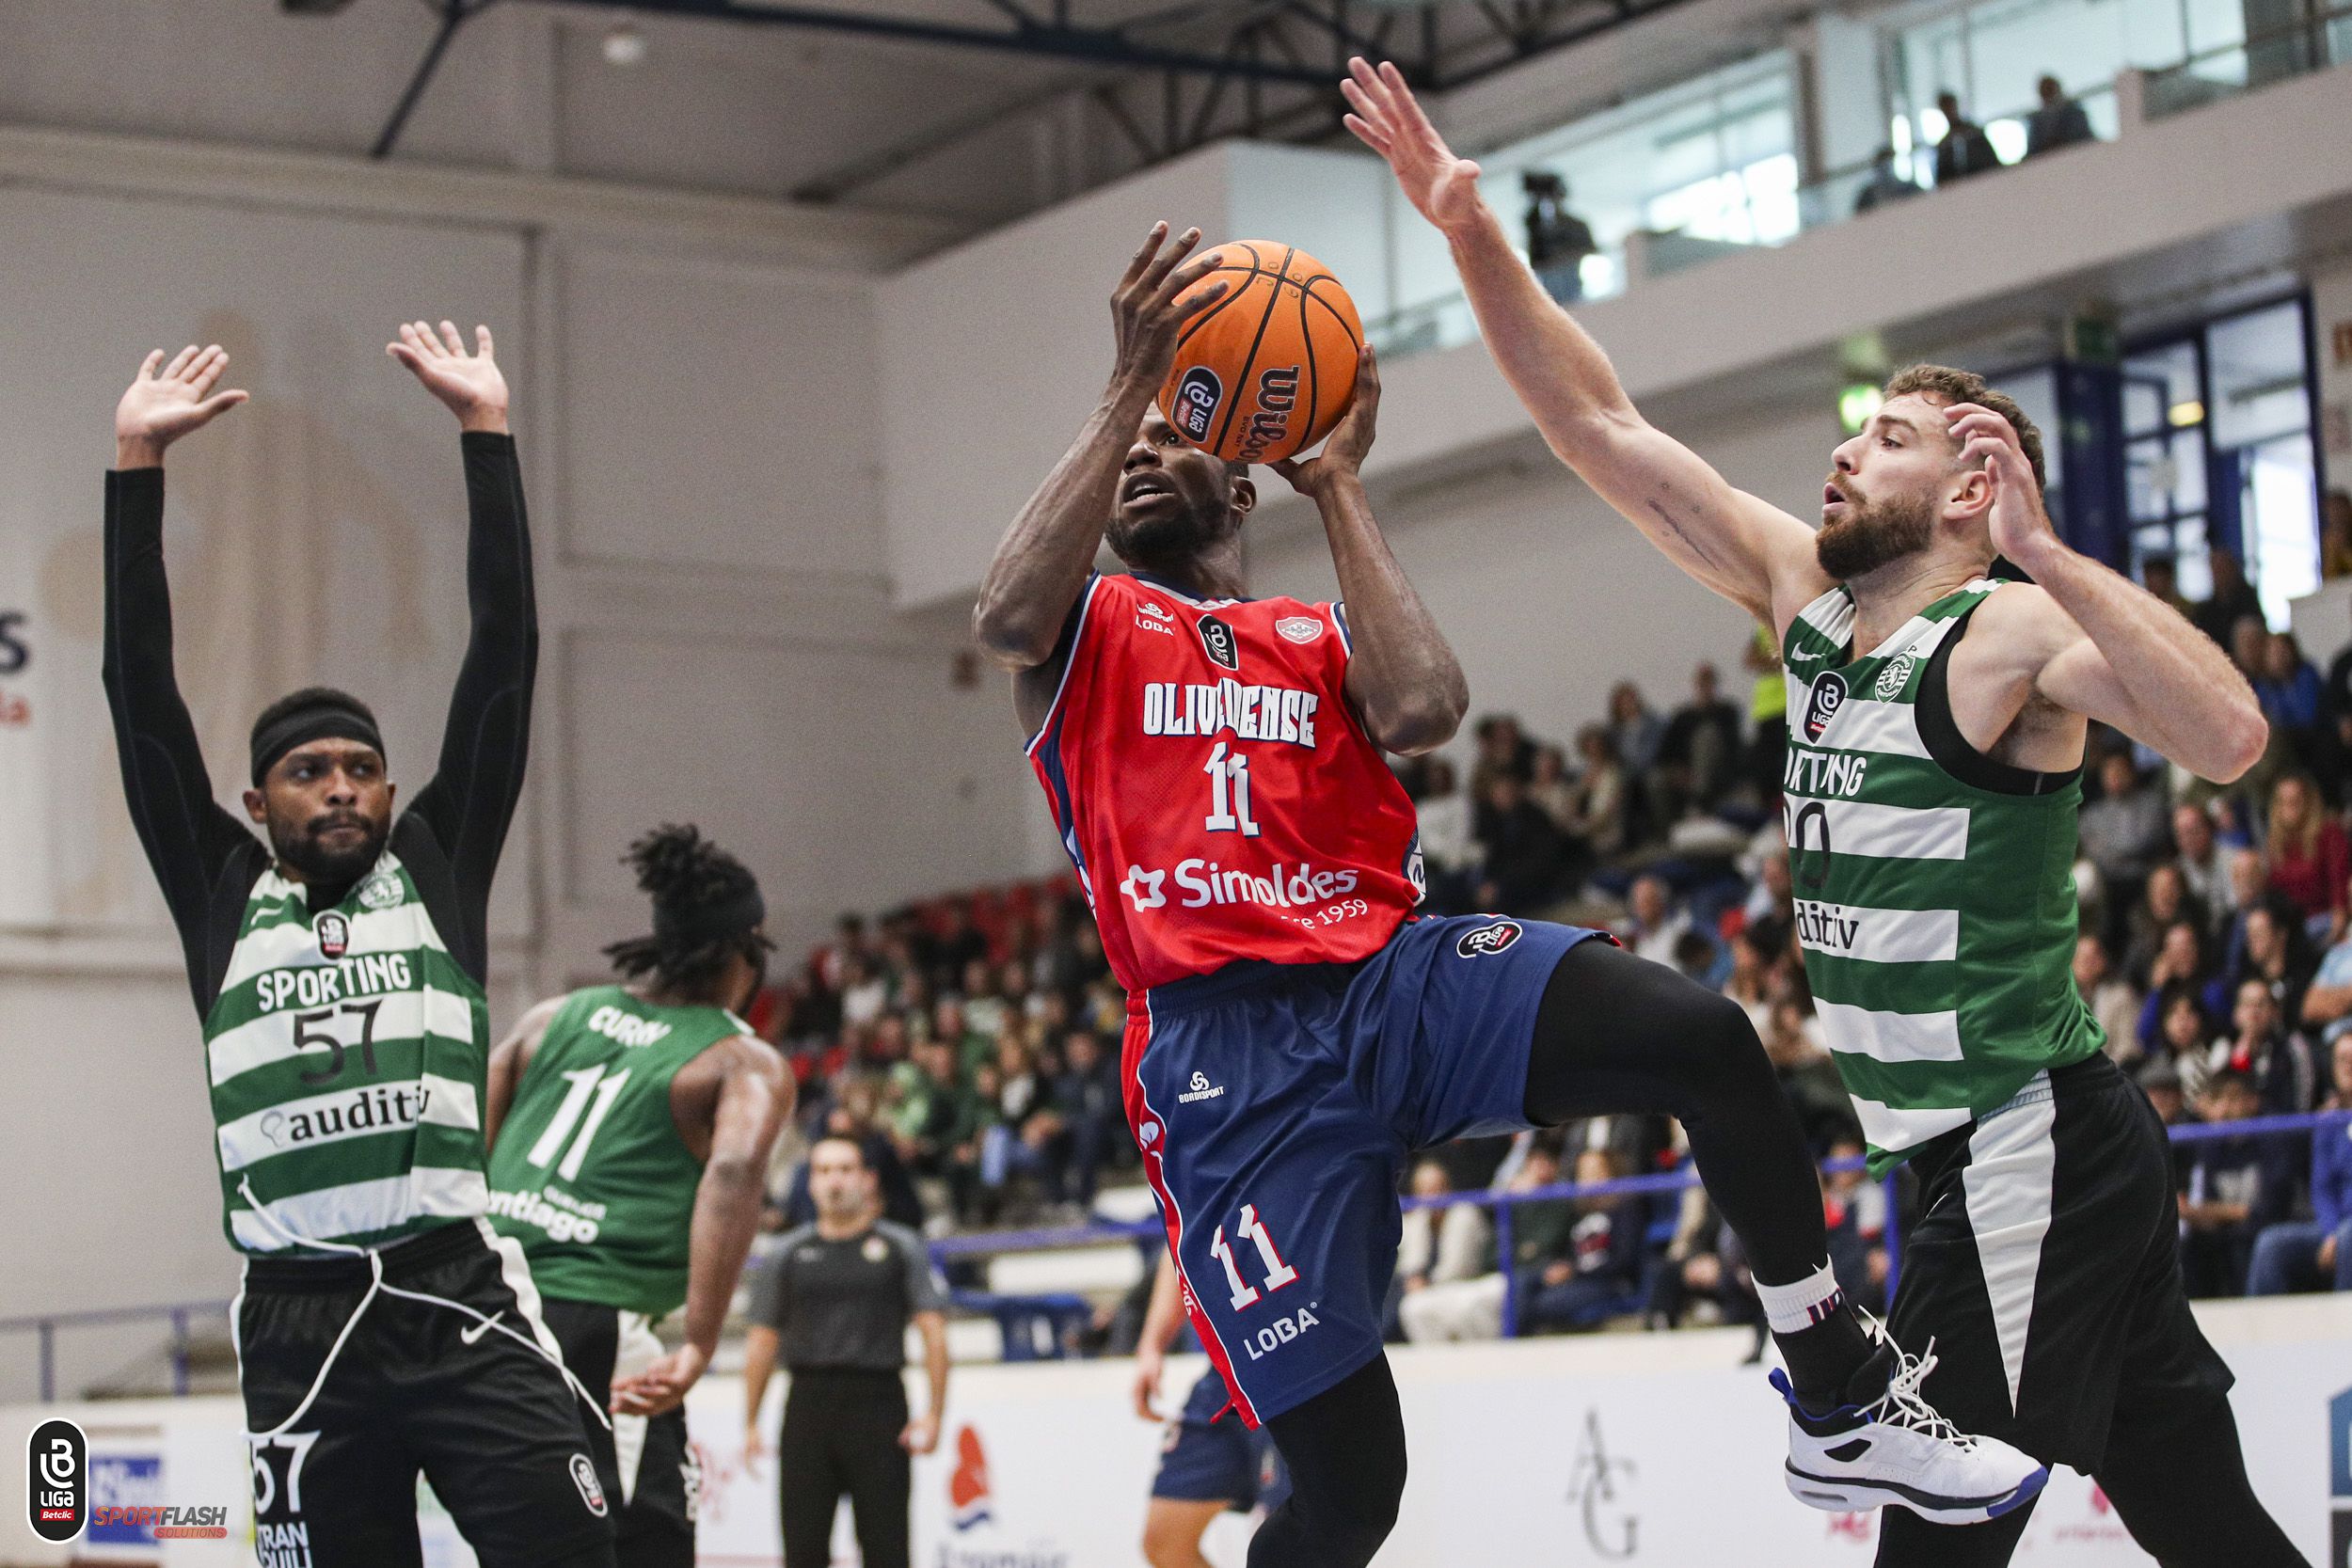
[(1214, 764)]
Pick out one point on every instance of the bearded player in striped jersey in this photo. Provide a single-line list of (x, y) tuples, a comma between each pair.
[(1937, 718), (1214, 765), (629, 1130), (382, 1329)]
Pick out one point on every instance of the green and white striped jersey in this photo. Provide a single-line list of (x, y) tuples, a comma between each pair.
[(348, 1052), (1933, 886)]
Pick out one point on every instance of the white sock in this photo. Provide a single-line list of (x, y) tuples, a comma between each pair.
[(1793, 1308)]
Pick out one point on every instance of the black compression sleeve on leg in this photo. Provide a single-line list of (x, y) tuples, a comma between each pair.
[(1618, 1034), (2180, 1488), (1345, 1452)]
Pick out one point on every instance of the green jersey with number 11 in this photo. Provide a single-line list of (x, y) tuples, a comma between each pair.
[(589, 1172)]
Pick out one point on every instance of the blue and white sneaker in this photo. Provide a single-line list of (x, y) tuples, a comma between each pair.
[(1887, 1445)]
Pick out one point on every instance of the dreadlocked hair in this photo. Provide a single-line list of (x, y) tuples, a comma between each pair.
[(683, 871)]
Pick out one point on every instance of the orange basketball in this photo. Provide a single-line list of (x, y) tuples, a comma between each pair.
[(1269, 370)]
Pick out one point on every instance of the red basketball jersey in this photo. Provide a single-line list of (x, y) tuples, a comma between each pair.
[(1215, 789)]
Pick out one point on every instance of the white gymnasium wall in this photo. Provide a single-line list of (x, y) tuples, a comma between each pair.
[(992, 353)]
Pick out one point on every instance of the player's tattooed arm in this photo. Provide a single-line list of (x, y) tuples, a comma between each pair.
[(509, 1060), (1041, 564), (1401, 676), (1742, 548), (2097, 645)]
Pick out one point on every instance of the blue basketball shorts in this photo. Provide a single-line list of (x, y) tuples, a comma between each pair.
[(1275, 1105), (1205, 1460)]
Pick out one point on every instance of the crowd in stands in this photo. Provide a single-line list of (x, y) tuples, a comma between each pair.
[(971, 1045)]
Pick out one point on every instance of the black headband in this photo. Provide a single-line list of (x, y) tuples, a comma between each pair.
[(321, 721), (710, 921)]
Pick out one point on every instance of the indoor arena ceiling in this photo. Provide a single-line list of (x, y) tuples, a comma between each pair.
[(1156, 77)]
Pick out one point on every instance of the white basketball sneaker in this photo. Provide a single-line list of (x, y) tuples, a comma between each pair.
[(1889, 1446)]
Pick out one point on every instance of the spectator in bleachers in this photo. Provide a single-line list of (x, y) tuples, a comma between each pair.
[(1807, 1076), (2203, 863), (2273, 949), (985, 1008), (2308, 855), (1768, 711), (1964, 149), (2277, 1060), (2237, 1186), (1750, 982), (1523, 854), (1887, 185), (1472, 1309), (2125, 831), (1087, 1095), (1602, 819), (1854, 1210), (1698, 757), (2160, 575), (2291, 693), (1557, 240), (2328, 1001), (1449, 853), (957, 945), (1501, 749), (2163, 903), (2232, 600), (1551, 787), (2111, 997), (2315, 1254), (1653, 923), (863, 993), (2059, 121), (2181, 1034), (1634, 730), (1440, 1246), (1772, 899), (2159, 1079), (1598, 1273)]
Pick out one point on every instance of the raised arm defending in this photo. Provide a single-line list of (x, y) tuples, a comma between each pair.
[(1746, 549)]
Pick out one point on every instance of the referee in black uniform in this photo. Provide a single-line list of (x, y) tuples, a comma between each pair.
[(831, 1302)]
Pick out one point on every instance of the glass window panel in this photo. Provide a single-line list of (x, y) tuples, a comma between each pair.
[(2258, 377), (2281, 525)]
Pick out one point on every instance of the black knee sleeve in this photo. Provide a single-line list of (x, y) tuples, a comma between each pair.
[(1345, 1452)]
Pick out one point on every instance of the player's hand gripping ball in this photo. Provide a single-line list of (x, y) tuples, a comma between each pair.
[(1269, 370)]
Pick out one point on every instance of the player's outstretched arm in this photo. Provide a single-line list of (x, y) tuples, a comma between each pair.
[(1043, 562), (1401, 676), (181, 827), (2098, 646), (1744, 548), (755, 1100), (478, 778)]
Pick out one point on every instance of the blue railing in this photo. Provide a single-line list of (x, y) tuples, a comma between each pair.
[(949, 1249)]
